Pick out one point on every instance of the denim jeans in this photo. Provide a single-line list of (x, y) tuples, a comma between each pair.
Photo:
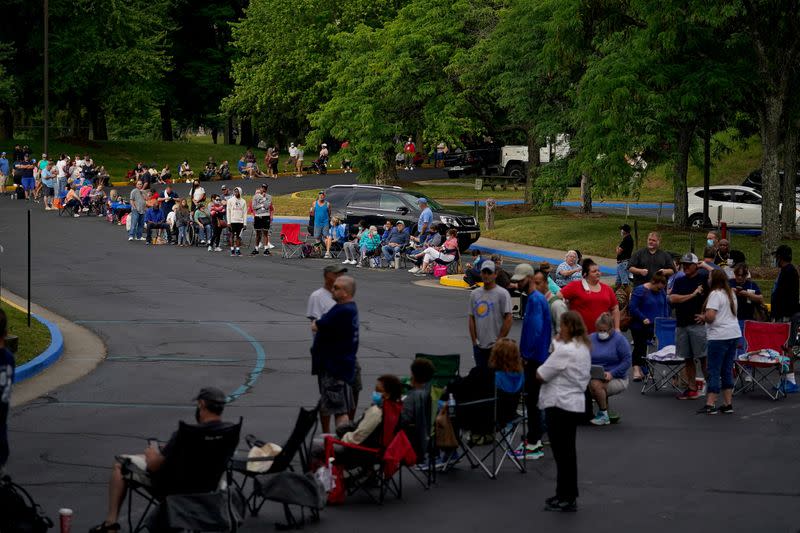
[(721, 355), (205, 232), (389, 253), (182, 235), (137, 224), (622, 273)]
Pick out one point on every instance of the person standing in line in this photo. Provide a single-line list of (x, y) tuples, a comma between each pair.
[(647, 261), (4, 168), (648, 302), (534, 344), (291, 163), (722, 334), (565, 376), (236, 214), (624, 252), (6, 379), (262, 219), (425, 217), (590, 297), (786, 301), (489, 315), (299, 163), (333, 354), (321, 211), (687, 297), (138, 207)]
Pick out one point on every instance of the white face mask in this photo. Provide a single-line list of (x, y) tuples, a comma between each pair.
[(603, 335)]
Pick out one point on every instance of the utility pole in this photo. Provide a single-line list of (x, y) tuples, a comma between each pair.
[(46, 76)]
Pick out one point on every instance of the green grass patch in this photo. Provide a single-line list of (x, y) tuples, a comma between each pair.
[(32, 341)]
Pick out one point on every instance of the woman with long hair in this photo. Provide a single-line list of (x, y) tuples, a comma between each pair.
[(722, 334), (590, 297), (564, 378)]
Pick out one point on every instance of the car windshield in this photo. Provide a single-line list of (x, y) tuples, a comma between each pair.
[(411, 197)]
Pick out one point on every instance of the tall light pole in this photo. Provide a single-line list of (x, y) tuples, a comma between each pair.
[(46, 76)]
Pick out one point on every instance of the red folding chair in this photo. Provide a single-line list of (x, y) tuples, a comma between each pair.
[(752, 374), (292, 241), (375, 468)]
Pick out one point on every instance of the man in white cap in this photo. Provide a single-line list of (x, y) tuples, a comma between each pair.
[(291, 163), (489, 314)]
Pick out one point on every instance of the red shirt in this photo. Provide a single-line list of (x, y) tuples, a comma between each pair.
[(588, 304)]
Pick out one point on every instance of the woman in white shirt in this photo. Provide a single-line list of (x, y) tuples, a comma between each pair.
[(565, 376), (722, 337)]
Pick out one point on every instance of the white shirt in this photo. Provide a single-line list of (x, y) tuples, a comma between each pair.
[(725, 325), (237, 211), (62, 168), (319, 303), (566, 375), (292, 151), (198, 194)]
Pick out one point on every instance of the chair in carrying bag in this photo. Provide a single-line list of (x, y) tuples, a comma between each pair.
[(375, 468), (197, 467), (662, 369), (445, 367), (263, 487), (766, 373), (292, 241)]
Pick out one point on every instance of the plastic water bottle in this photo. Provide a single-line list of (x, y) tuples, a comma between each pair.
[(451, 406)]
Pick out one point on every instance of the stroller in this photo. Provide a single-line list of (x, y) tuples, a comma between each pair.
[(320, 166)]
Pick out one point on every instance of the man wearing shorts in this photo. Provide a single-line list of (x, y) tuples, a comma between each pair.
[(25, 169), (262, 219), (236, 214), (333, 354), (321, 211), (688, 295)]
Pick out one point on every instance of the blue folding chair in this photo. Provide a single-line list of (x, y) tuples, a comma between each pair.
[(660, 372)]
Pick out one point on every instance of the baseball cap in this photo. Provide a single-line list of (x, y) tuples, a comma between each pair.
[(211, 394), (224, 187), (783, 251), (522, 271), (335, 269), (400, 222), (488, 265), (422, 200), (689, 258), (626, 228)]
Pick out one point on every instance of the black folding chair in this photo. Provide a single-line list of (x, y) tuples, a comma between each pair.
[(198, 460)]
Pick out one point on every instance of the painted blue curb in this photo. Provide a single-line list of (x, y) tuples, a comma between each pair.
[(534, 258), (44, 359), (618, 205)]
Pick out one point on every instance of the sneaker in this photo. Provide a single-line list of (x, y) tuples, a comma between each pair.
[(358, 264), (217, 249), (254, 252), (601, 419), (270, 246), (414, 270), (707, 410), (267, 252), (141, 239), (202, 241), (210, 249), (327, 255), (530, 452), (76, 215), (346, 262), (130, 238), (689, 394), (787, 387), (560, 506), (726, 409), (238, 253), (233, 254)]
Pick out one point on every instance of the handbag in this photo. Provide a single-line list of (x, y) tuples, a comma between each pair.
[(439, 270), (445, 435)]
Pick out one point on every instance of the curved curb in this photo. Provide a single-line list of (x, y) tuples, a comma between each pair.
[(455, 280), (44, 359)]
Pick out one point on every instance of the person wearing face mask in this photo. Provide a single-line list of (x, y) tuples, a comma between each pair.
[(217, 212), (712, 240), (611, 351), (365, 430), (145, 468)]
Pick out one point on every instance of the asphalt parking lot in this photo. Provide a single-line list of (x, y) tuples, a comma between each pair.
[(175, 320)]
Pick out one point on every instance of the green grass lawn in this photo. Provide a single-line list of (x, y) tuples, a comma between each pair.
[(33, 340)]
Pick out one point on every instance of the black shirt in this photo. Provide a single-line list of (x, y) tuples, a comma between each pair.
[(652, 262), (685, 312), (735, 255), (786, 293), (627, 248)]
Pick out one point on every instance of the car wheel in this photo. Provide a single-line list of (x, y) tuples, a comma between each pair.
[(453, 174), (516, 170), (696, 221)]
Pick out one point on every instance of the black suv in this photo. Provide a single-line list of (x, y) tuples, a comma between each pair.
[(477, 161), (377, 204)]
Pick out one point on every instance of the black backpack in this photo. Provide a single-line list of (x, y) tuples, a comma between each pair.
[(20, 513)]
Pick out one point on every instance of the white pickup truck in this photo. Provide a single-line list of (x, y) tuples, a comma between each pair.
[(514, 158)]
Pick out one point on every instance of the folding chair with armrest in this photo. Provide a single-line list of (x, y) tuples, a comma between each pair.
[(661, 369), (189, 481), (768, 375), (292, 240)]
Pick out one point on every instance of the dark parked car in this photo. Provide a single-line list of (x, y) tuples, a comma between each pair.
[(476, 162), (754, 180), (377, 204)]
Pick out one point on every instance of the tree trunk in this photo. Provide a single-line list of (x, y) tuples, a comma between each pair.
[(385, 175), (532, 171), (771, 144), (788, 209), (76, 127), (586, 193), (97, 120), (681, 170), (6, 122), (230, 138), (166, 123), (246, 132), (214, 134)]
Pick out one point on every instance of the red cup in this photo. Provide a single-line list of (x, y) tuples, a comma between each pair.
[(65, 518)]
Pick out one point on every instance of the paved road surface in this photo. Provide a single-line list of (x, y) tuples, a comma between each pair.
[(178, 319)]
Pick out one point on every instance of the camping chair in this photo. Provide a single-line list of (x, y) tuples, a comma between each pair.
[(445, 367), (662, 370), (263, 488), (767, 375), (375, 468), (187, 493), (509, 388), (292, 241), (454, 265)]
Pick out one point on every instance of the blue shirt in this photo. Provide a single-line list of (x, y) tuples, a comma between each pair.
[(425, 219), (154, 215), (647, 304), (6, 379), (4, 166), (337, 233), (333, 352), (613, 354), (47, 178), (534, 343), (242, 166), (321, 218)]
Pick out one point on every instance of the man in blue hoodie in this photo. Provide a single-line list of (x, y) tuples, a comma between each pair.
[(534, 344), (155, 218), (6, 378)]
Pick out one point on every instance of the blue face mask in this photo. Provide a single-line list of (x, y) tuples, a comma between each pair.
[(377, 398), (709, 242)]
